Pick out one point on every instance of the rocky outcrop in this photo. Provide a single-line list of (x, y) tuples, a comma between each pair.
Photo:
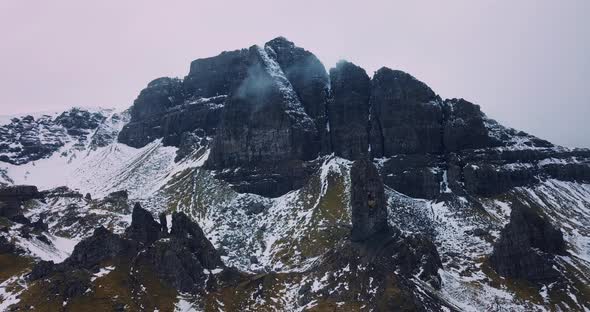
[(27, 139), (6, 246), (270, 180), (268, 112), (163, 110), (416, 175), (169, 107), (265, 130), (218, 75), (489, 180), (102, 245), (263, 121), (182, 259), (78, 121), (191, 142), (309, 79), (385, 263), (406, 115), (526, 247), (367, 201), (12, 197), (348, 111), (463, 126), (143, 227)]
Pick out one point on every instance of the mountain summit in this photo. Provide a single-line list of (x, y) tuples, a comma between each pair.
[(289, 187)]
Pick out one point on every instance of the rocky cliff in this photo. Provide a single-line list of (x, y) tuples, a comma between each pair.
[(290, 188)]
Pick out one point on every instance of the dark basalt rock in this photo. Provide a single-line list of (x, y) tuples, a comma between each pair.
[(218, 75), (169, 107), (28, 139), (20, 219), (417, 254), (6, 246), (415, 175), (406, 115), (463, 126), (62, 192), (42, 269), (182, 259), (349, 111), (163, 110), (39, 225), (76, 121), (163, 224), (107, 132), (385, 262), (264, 130), (143, 228), (102, 245), (19, 192), (526, 247), (117, 196), (191, 235), (489, 180), (578, 172), (309, 79), (12, 197), (270, 180), (367, 201), (159, 95), (191, 142), (267, 112), (263, 121)]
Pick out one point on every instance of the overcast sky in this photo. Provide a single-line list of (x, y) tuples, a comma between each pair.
[(525, 62)]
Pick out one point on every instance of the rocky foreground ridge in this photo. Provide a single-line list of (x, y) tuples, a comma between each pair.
[(291, 188)]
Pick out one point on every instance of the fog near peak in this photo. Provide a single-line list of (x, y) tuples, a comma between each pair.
[(526, 63)]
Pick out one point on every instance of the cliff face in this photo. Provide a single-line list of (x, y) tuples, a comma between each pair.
[(272, 110)]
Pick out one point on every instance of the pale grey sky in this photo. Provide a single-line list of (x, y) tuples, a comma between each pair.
[(525, 62)]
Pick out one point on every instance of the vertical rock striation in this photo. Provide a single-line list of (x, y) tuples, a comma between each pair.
[(349, 111)]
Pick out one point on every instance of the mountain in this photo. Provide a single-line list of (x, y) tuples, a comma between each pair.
[(263, 182)]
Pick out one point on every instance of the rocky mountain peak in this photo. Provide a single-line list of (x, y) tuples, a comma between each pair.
[(289, 188)]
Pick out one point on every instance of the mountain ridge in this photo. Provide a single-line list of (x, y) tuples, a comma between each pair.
[(321, 190)]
